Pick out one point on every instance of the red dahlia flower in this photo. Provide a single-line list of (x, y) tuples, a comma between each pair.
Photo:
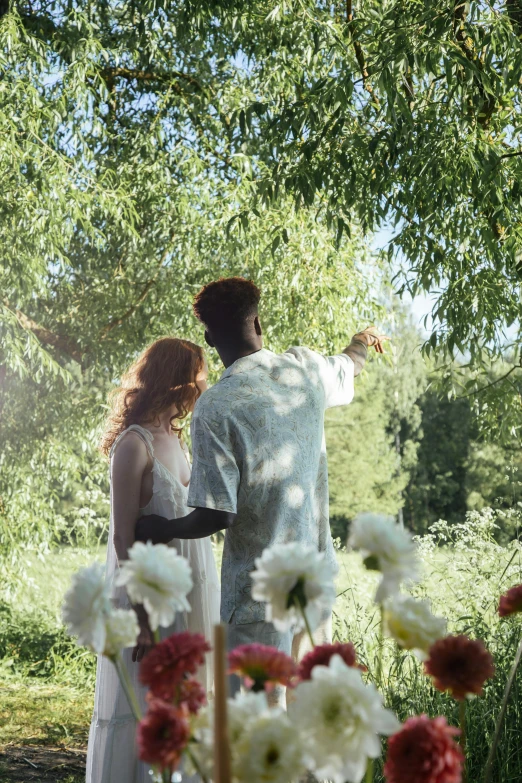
[(321, 655), (424, 751), (262, 667), (191, 694), (162, 735), (459, 665), (168, 663), (511, 602)]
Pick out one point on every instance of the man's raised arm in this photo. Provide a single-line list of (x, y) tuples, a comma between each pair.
[(358, 348)]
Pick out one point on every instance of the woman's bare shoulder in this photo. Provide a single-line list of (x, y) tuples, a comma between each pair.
[(131, 448)]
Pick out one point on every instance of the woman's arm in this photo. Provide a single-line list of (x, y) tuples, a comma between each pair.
[(129, 465)]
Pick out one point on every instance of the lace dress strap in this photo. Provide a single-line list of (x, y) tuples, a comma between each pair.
[(146, 436)]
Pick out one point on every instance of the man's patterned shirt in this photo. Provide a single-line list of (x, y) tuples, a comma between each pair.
[(259, 452)]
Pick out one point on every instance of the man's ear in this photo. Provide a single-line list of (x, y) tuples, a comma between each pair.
[(209, 340), (257, 326)]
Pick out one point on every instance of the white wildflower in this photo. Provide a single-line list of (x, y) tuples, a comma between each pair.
[(86, 605), (269, 750), (157, 577), (121, 631), (242, 711), (386, 547), (339, 719), (290, 574), (411, 623)]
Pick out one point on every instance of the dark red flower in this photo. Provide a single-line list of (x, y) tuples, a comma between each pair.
[(192, 694), (320, 656), (459, 665), (170, 661), (424, 751), (163, 734), (262, 667), (511, 602)]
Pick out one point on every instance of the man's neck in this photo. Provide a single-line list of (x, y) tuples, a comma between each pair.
[(229, 355)]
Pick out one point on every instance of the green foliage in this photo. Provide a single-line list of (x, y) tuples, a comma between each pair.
[(137, 140), (127, 186), (453, 557), (406, 113), (32, 645), (362, 464), (458, 469)]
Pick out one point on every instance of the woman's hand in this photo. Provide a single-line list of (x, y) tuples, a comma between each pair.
[(145, 640)]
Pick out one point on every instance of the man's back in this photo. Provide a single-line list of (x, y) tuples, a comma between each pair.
[(259, 452)]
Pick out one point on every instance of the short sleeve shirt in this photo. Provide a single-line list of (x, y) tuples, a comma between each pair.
[(259, 451)]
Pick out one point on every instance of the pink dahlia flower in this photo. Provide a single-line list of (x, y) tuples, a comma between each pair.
[(262, 667)]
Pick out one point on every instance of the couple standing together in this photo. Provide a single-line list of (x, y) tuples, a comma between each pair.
[(259, 473)]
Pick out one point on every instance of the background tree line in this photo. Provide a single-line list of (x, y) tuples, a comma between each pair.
[(406, 448)]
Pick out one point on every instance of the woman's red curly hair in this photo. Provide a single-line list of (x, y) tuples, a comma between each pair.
[(162, 376)]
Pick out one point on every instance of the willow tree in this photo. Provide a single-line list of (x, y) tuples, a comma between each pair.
[(126, 184), (405, 115)]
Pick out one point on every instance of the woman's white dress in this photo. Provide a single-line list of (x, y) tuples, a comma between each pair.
[(112, 755)]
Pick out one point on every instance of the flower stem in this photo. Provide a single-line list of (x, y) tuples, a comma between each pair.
[(369, 771), (463, 736), (196, 765), (378, 672), (305, 618), (502, 715), (127, 686), (157, 637)]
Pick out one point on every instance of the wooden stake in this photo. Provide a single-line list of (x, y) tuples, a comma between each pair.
[(222, 772)]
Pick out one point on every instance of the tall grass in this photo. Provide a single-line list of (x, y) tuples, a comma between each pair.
[(465, 571)]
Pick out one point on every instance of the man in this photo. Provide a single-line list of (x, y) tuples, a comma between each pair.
[(259, 457)]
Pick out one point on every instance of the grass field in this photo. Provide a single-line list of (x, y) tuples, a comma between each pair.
[(47, 682)]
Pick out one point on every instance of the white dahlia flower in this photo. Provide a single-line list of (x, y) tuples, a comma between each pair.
[(122, 630), (241, 710), (86, 606), (385, 547), (287, 575), (157, 577), (244, 709), (269, 750), (339, 719), (411, 623)]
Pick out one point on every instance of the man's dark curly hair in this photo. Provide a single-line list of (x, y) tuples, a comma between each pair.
[(226, 304)]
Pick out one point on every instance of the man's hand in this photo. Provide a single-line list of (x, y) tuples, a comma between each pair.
[(372, 337), (360, 343)]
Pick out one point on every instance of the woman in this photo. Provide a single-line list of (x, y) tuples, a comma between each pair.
[(149, 472)]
